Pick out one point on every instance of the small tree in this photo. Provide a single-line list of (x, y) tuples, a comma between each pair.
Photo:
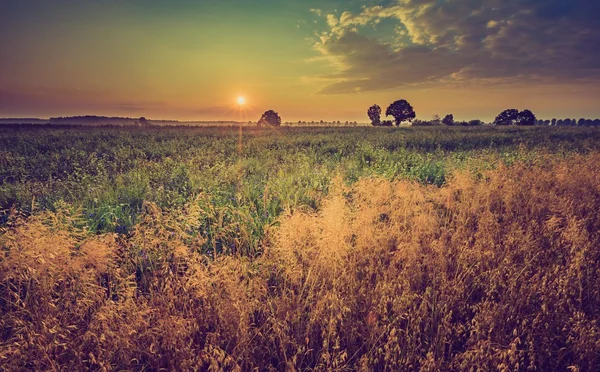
[(374, 113), (270, 117), (448, 119), (401, 111), (387, 123), (525, 117), (507, 117), (144, 122)]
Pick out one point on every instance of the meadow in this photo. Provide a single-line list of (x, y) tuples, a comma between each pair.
[(299, 248)]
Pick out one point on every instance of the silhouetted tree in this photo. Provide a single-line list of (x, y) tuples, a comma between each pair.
[(581, 122), (507, 117), (401, 111), (387, 123), (270, 117), (448, 119), (144, 122), (474, 122), (374, 113), (525, 117)]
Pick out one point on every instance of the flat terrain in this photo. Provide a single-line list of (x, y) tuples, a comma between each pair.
[(300, 248)]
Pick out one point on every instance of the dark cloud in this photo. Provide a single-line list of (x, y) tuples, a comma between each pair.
[(462, 41)]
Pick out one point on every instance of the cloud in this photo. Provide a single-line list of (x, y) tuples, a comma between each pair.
[(318, 12), (462, 42)]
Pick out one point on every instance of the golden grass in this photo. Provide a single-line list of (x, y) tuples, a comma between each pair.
[(498, 272)]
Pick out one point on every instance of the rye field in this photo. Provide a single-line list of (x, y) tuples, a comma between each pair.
[(299, 249)]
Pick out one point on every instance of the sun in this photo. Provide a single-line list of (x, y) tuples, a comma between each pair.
[(241, 100)]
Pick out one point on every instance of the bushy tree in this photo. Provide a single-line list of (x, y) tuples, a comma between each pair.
[(270, 117), (474, 122), (387, 123), (448, 119), (525, 117), (374, 113), (401, 111), (507, 117)]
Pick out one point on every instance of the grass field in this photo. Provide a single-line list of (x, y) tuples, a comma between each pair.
[(308, 249)]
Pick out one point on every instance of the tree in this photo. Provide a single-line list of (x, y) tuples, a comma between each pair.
[(270, 117), (387, 123), (401, 111), (374, 113), (474, 122), (507, 117), (448, 119), (525, 117)]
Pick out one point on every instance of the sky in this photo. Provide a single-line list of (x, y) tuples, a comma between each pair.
[(306, 59)]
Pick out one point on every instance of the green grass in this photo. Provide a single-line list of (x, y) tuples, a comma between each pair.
[(108, 173)]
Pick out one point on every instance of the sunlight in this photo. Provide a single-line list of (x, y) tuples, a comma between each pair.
[(241, 100)]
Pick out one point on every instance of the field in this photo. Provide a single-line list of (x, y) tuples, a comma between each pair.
[(300, 248)]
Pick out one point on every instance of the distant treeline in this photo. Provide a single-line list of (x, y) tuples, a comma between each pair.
[(402, 111), (570, 122), (94, 120)]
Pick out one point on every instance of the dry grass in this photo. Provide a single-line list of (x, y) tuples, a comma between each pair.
[(498, 272)]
